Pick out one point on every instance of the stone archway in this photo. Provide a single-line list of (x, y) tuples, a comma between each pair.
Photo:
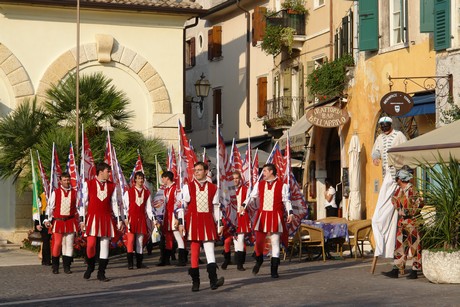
[(107, 50), (16, 74)]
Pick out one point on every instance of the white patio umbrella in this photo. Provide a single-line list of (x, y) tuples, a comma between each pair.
[(354, 172)]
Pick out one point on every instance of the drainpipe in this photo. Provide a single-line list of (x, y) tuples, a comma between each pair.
[(248, 63), (331, 31), (194, 24)]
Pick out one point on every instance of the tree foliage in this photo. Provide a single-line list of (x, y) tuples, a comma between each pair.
[(36, 128)]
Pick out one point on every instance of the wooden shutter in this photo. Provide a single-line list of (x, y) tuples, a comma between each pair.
[(368, 25), (259, 22), (426, 16), (210, 46), (287, 82), (261, 96), (217, 105), (188, 116), (192, 51), (310, 69), (344, 36), (441, 24)]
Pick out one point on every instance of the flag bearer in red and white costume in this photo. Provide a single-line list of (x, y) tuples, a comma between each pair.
[(243, 226), (100, 204), (273, 196), (63, 220), (202, 202), (170, 225), (138, 208)]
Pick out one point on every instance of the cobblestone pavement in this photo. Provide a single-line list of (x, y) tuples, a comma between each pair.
[(312, 283)]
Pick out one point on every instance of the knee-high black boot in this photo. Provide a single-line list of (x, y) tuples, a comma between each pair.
[(240, 261), (274, 267), (139, 260), (101, 270), (259, 261), (130, 257), (55, 264), (214, 282), (90, 264), (66, 261), (195, 274), (182, 257), (226, 261), (165, 258)]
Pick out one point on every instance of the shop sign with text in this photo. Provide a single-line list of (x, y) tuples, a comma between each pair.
[(396, 103), (327, 116)]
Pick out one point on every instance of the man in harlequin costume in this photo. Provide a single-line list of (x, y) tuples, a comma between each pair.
[(273, 197), (243, 221), (202, 205), (138, 208), (170, 226), (62, 215), (408, 205), (100, 203)]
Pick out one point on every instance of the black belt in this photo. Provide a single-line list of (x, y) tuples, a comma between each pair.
[(64, 218)]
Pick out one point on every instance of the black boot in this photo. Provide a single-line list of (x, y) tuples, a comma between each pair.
[(195, 274), (259, 261), (392, 274), (214, 282), (182, 257), (274, 267), (226, 261), (165, 258), (412, 275), (66, 261), (244, 257), (139, 260), (101, 271), (239, 261), (90, 264), (130, 257), (55, 264)]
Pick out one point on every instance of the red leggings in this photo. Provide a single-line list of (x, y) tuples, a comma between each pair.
[(260, 242), (194, 253), (57, 244), (169, 239), (91, 246), (227, 244)]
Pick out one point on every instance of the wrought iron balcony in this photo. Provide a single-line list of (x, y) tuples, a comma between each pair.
[(283, 111), (285, 19)]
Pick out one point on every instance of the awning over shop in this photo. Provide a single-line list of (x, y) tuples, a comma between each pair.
[(427, 148), (424, 103), (296, 134)]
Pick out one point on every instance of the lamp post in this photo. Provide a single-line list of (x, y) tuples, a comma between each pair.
[(307, 142), (202, 87)]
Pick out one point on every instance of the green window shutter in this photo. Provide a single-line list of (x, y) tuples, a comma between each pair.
[(426, 16), (368, 25), (441, 24)]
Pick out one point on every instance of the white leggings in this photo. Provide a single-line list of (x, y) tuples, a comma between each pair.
[(179, 239), (275, 240), (239, 243), (67, 244), (208, 247), (139, 243), (104, 248)]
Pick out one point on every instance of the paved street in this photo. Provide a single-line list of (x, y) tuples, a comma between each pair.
[(312, 283)]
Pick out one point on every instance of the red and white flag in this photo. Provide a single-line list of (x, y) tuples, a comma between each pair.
[(72, 168), (55, 170), (137, 168), (171, 164), (45, 181), (87, 166)]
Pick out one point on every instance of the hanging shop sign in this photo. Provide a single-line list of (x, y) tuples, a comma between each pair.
[(327, 116), (396, 103)]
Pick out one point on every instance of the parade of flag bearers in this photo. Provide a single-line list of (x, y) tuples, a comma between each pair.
[(188, 209)]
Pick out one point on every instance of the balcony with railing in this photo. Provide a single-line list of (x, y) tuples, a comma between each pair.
[(283, 111), (285, 19)]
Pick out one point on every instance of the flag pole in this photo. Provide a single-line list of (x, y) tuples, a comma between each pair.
[(157, 172), (218, 167)]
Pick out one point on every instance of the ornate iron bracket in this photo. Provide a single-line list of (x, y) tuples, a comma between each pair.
[(442, 85)]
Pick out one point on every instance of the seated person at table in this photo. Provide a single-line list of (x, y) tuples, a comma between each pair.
[(329, 195)]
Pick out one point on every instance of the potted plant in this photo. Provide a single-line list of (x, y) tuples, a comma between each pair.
[(277, 37), (294, 6), (441, 224)]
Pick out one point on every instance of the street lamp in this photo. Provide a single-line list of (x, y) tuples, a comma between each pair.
[(307, 142), (202, 87)]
